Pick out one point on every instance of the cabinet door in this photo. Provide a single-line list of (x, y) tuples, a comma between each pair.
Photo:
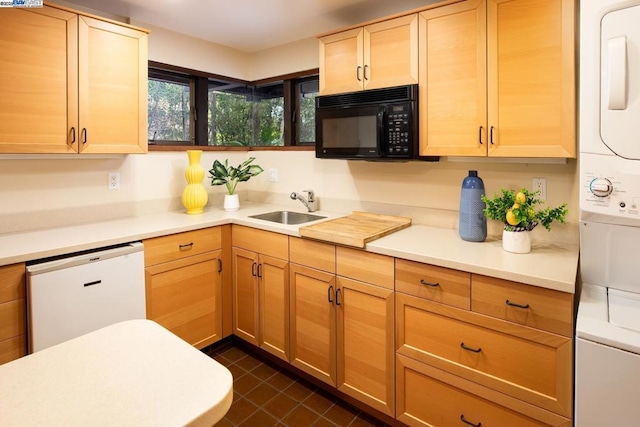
[(273, 284), (341, 62), (313, 322), (38, 81), (366, 353), (113, 70), (453, 87), (185, 296), (391, 53), (531, 77), (245, 294)]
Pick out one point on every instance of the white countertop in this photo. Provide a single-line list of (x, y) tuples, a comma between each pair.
[(552, 266), (132, 373)]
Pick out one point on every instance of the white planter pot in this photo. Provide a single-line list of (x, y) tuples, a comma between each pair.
[(518, 242), (231, 202)]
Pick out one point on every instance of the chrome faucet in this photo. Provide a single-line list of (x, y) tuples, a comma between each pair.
[(310, 203)]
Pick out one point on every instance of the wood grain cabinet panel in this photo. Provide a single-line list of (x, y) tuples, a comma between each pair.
[(38, 80), (342, 330), (13, 320), (453, 80), (261, 289), (112, 61), (318, 255), (430, 397), (185, 296), (497, 78), (365, 351), (529, 364), (313, 322), (439, 284), (379, 55), (528, 305), (365, 266), (183, 280), (66, 84)]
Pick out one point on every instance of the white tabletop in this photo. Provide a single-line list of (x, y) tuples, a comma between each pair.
[(132, 373)]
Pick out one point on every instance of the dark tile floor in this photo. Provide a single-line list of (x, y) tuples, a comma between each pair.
[(265, 396)]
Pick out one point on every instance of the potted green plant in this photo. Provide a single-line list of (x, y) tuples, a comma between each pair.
[(231, 176), (520, 213)]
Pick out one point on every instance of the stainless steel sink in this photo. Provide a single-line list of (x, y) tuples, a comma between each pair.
[(287, 217)]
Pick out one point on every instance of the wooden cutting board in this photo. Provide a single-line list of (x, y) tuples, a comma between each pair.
[(356, 229)]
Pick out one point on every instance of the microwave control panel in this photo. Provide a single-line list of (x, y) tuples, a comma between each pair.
[(400, 130)]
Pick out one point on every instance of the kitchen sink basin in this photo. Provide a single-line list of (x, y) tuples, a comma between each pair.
[(287, 217)]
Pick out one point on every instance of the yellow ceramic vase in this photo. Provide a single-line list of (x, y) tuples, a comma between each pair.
[(194, 196)]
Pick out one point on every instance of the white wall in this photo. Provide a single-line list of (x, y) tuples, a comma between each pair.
[(51, 191), (189, 52), (299, 56)]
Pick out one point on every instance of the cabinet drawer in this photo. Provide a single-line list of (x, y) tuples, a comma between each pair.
[(12, 282), (438, 284), (181, 245), (365, 266), (260, 241), (528, 364), (318, 255), (539, 308), (429, 397)]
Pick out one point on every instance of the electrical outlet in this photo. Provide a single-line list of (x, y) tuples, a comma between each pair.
[(273, 175), (114, 181), (540, 184)]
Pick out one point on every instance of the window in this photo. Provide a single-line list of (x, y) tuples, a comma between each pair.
[(169, 109), (236, 113), (241, 115), (307, 90)]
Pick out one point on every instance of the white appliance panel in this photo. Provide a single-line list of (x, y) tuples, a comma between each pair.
[(609, 256), (620, 82), (73, 296), (624, 309), (607, 383)]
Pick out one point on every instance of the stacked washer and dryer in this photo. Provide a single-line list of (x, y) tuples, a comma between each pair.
[(607, 383)]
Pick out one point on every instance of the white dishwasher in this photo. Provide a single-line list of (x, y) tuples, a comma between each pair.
[(71, 296)]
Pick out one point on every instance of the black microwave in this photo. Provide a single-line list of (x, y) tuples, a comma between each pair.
[(376, 124)]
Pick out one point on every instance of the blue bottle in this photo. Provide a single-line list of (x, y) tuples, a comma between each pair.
[(473, 223)]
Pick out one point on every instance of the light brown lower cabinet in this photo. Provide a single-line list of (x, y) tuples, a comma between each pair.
[(427, 396), (342, 330), (183, 278), (13, 322), (261, 289), (528, 365)]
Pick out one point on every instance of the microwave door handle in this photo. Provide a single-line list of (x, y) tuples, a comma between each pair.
[(380, 119)]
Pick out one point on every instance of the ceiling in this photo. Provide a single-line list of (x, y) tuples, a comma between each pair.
[(251, 25)]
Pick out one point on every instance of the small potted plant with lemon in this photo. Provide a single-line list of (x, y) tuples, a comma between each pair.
[(520, 213)]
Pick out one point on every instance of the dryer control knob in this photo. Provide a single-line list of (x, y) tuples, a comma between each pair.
[(601, 187)]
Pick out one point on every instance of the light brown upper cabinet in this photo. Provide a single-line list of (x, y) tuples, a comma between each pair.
[(77, 84), (497, 78), (383, 54)]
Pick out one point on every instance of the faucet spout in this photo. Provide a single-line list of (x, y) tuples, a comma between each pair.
[(309, 203)]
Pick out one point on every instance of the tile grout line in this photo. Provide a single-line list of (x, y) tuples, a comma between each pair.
[(301, 381)]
